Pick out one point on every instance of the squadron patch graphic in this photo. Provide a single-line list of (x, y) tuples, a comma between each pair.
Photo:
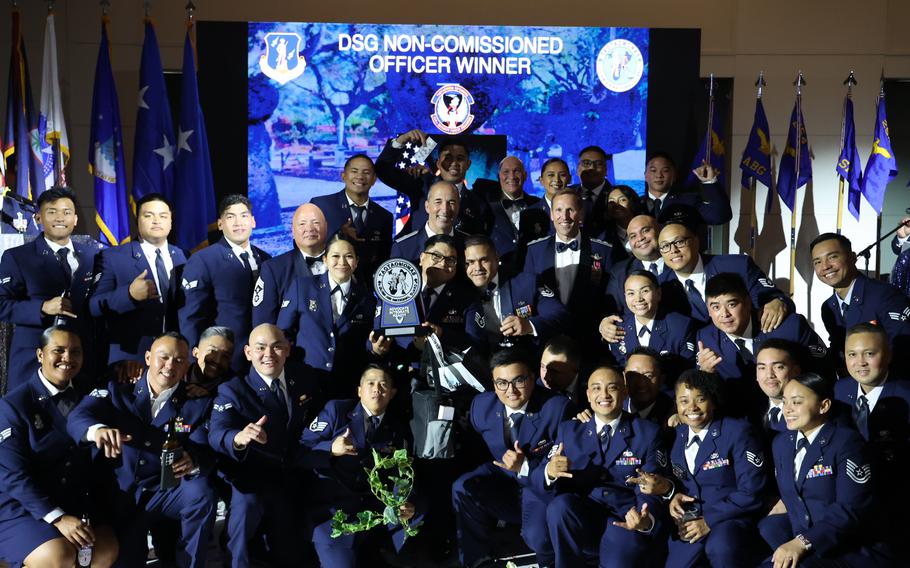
[(282, 60), (620, 65), (452, 109)]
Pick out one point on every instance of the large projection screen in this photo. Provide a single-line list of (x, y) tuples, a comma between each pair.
[(319, 93)]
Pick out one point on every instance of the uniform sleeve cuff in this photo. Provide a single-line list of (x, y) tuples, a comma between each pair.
[(52, 517)]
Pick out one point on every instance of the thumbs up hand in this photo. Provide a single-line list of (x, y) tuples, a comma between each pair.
[(142, 289)]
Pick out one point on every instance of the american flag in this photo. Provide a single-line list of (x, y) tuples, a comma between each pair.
[(412, 155)]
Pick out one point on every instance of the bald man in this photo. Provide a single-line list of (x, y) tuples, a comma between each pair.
[(442, 207), (256, 423), (513, 226), (309, 229)]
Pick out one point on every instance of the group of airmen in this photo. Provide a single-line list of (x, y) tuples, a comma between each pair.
[(645, 404)]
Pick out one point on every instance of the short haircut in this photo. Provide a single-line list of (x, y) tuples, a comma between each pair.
[(844, 241), (710, 385), (172, 335), (823, 387), (45, 338), (564, 345), (449, 141), (55, 193), (549, 161), (480, 241), (663, 155), (597, 149), (726, 283), (570, 192), (217, 331), (605, 367), (154, 196), (356, 156), (505, 357), (376, 367), (796, 352), (868, 327), (644, 274), (440, 239), (339, 236), (634, 199), (646, 351), (234, 199)]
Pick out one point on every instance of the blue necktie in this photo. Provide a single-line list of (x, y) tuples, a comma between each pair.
[(653, 268), (641, 332), (66, 400), (164, 282), (372, 427), (605, 439), (280, 400), (514, 426), (561, 247), (357, 217), (62, 255), (861, 414)]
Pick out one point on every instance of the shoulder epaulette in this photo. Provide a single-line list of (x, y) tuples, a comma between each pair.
[(406, 237), (541, 239), (600, 242)]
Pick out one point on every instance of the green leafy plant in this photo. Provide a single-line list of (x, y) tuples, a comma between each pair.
[(392, 491)]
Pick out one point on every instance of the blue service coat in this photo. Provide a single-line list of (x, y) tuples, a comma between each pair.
[(672, 336), (377, 236), (729, 470), (132, 325), (410, 245), (511, 243), (127, 407), (218, 291), (761, 288), (244, 400), (871, 301), (474, 215), (41, 467), (709, 199), (827, 502), (616, 301), (336, 350), (30, 275), (523, 297), (276, 277)]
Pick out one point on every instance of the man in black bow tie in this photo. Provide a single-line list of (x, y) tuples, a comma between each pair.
[(515, 221)]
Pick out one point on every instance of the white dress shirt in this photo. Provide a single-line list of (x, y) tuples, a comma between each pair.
[(692, 449), (282, 385), (644, 340), (70, 258), (238, 250), (339, 301), (801, 454), (149, 250), (697, 277)]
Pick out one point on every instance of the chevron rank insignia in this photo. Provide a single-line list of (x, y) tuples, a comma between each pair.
[(6, 280), (317, 426), (5, 434), (859, 473), (757, 459), (661, 458), (99, 393), (546, 292), (223, 407), (187, 285)]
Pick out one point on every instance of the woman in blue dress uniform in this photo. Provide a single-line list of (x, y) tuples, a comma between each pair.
[(825, 480)]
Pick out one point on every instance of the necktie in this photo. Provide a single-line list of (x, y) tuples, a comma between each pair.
[(656, 207), (772, 417), (65, 265), (280, 399), (801, 444), (488, 293), (514, 426), (372, 428), (605, 438), (692, 290), (653, 268), (339, 304), (861, 414), (844, 306), (66, 400), (561, 247), (427, 296), (743, 350), (357, 217), (696, 440), (164, 282), (310, 260), (644, 329)]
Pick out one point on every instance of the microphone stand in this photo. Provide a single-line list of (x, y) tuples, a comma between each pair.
[(866, 253)]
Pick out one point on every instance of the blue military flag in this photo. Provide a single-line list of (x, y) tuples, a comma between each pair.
[(756, 161), (848, 164), (711, 150), (105, 156), (194, 188), (881, 167), (787, 180), (22, 147), (153, 162)]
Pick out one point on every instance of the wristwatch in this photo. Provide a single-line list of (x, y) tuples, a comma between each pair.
[(804, 541)]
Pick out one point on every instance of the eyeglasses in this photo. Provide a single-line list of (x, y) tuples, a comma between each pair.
[(503, 385), (592, 163), (449, 261), (679, 244)]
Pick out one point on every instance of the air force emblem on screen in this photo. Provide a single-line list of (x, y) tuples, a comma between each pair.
[(620, 65), (452, 109), (282, 60)]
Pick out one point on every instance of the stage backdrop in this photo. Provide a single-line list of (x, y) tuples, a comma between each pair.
[(321, 92)]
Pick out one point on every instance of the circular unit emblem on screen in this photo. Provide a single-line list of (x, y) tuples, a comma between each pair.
[(397, 281), (452, 109), (282, 60), (620, 65)]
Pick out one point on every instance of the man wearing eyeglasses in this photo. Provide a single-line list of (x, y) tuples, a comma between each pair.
[(683, 285), (442, 206), (518, 423), (573, 266), (642, 232), (594, 187), (709, 199)]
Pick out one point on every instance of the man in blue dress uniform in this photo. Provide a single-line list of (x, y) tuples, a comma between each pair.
[(518, 423), (129, 423), (44, 281), (218, 281), (709, 199), (442, 205)]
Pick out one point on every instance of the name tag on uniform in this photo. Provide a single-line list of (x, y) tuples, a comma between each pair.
[(628, 458), (523, 311), (819, 470), (541, 446)]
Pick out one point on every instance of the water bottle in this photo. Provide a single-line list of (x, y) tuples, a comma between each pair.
[(84, 557)]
